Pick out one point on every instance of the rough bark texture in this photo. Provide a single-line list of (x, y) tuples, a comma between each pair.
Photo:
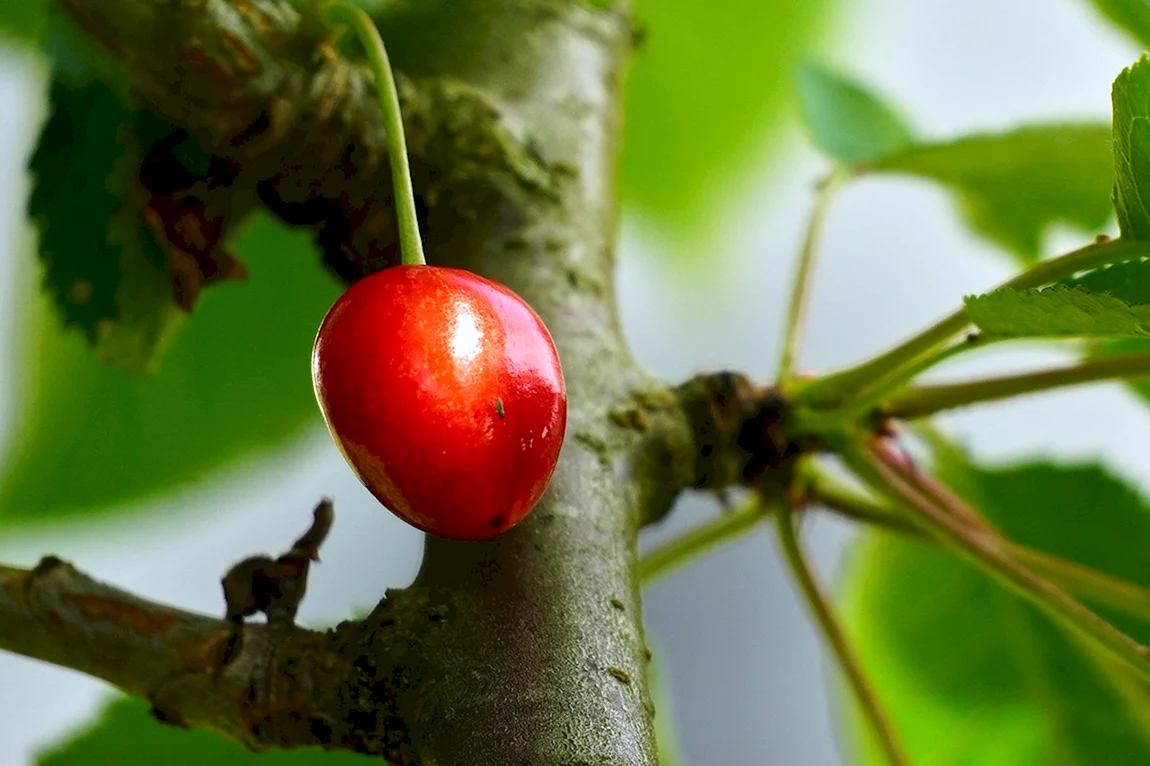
[(525, 650), (172, 658)]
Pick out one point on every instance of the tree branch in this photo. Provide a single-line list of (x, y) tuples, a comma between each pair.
[(528, 648), (176, 659)]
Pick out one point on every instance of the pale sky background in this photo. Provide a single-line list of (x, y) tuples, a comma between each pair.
[(742, 664)]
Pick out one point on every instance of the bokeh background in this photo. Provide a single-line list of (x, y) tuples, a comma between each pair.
[(740, 666)]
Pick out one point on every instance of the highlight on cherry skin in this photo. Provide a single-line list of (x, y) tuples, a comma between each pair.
[(443, 390)]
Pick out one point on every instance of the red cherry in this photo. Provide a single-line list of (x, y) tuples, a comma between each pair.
[(444, 391)]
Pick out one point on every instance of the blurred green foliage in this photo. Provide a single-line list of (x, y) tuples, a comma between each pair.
[(1133, 16), (971, 673), (237, 379), (127, 735), (711, 82), (845, 120), (1010, 186)]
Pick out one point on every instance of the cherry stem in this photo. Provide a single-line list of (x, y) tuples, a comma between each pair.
[(881, 469), (836, 637), (927, 400), (800, 291), (847, 386), (339, 12), (665, 558)]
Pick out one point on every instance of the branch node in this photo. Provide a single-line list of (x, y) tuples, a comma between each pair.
[(275, 587), (741, 430)]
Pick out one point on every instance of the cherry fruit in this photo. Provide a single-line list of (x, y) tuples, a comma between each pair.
[(444, 391)]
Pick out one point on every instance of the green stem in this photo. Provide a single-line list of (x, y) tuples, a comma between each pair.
[(800, 291), (339, 12), (1101, 588), (667, 557), (1098, 587), (810, 421), (842, 387), (873, 465), (832, 631), (927, 400), (823, 490)]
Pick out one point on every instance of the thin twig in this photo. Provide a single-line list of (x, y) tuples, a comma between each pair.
[(927, 400), (842, 387), (665, 558), (823, 490), (988, 552), (186, 665), (800, 291), (836, 638), (1083, 581)]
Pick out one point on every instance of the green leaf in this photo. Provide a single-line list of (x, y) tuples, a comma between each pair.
[(1129, 281), (847, 121), (1057, 312), (237, 379), (1131, 101), (127, 735), (103, 266), (1131, 15), (1013, 186), (22, 20), (710, 83), (972, 674)]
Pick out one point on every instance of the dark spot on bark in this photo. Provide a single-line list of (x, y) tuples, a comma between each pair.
[(320, 729), (170, 718), (708, 450), (618, 604), (161, 171), (222, 172), (258, 127)]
